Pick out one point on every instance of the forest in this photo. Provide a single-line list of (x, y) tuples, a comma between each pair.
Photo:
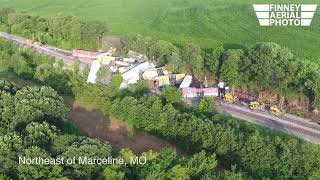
[(66, 32), (217, 146), (34, 123)]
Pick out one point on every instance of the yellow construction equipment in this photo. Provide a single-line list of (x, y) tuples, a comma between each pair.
[(229, 97), (278, 110), (254, 105)]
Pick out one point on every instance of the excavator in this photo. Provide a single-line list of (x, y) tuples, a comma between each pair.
[(278, 109)]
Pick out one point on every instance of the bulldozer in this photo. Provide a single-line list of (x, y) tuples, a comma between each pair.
[(229, 97), (256, 105), (278, 109)]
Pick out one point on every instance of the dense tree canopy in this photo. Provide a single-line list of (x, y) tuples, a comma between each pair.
[(63, 31), (171, 94), (191, 55), (230, 69)]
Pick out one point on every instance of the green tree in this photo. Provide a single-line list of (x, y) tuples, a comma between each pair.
[(191, 55), (161, 52), (175, 64), (6, 112), (139, 88), (8, 87), (41, 135), (269, 66), (35, 104), (172, 94), (102, 74), (178, 172), (21, 66), (90, 148), (214, 62), (38, 171), (230, 70), (138, 43), (201, 163), (113, 88), (11, 146), (206, 105), (76, 67), (43, 72), (113, 172)]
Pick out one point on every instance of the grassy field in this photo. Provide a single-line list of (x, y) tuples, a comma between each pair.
[(207, 22)]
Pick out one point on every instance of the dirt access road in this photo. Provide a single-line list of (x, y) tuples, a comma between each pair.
[(287, 123)]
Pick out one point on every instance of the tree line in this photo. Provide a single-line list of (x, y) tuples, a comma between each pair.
[(67, 32)]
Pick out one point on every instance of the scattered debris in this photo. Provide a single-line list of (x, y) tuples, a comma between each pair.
[(95, 66), (151, 74), (133, 75), (167, 80), (137, 56), (186, 82)]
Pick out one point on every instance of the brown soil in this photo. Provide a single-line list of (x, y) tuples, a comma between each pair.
[(111, 41), (96, 125)]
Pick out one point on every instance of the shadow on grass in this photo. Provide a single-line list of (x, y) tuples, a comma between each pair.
[(233, 46)]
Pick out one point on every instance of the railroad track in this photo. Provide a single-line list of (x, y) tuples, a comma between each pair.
[(56, 53), (304, 130)]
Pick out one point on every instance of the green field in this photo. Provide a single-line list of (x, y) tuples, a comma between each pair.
[(209, 23)]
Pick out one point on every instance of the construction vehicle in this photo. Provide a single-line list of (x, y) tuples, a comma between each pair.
[(278, 109), (256, 105), (229, 97)]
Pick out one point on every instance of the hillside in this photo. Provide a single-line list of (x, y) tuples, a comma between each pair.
[(206, 22)]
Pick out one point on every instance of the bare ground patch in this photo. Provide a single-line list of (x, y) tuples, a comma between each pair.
[(96, 125)]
